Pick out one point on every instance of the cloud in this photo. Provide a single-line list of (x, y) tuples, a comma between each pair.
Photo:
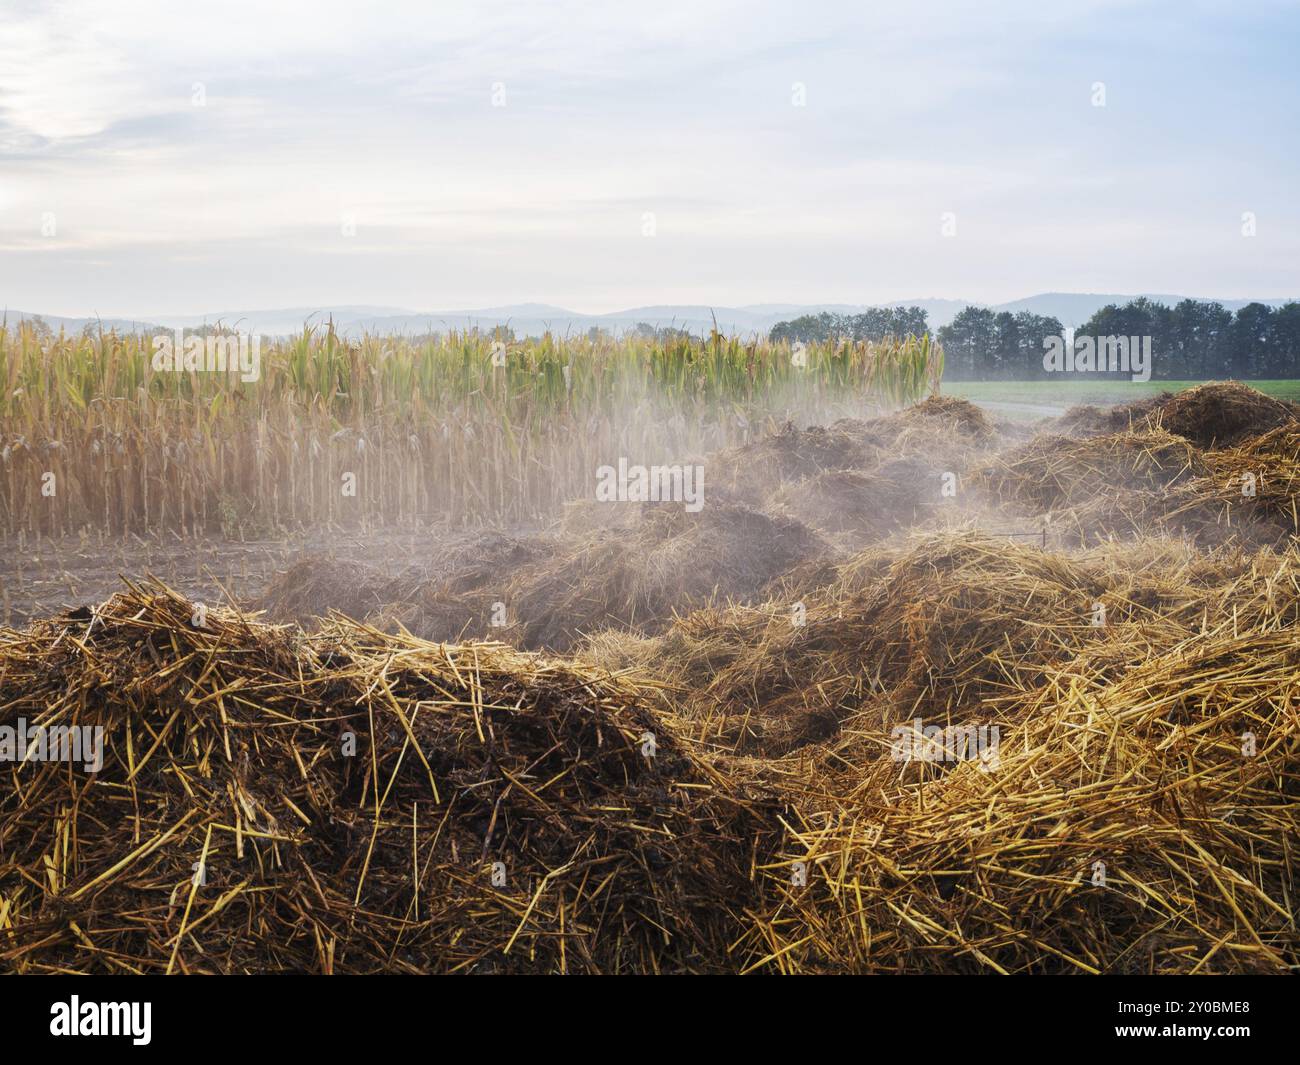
[(314, 115)]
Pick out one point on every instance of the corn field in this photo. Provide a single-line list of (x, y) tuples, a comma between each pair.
[(446, 429)]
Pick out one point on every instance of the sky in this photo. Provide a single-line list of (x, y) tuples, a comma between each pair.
[(174, 158)]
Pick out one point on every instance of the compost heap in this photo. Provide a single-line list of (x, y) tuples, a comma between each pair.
[(922, 693)]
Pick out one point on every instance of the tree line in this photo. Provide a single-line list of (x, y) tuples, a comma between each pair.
[(1191, 340), (874, 324)]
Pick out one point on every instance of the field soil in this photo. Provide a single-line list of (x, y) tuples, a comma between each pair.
[(39, 578)]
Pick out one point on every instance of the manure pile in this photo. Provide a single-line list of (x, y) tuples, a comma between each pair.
[(354, 802), (923, 693)]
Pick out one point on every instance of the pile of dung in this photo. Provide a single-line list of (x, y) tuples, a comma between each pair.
[(1218, 414), (318, 583), (1089, 420), (1144, 825), (1053, 472), (1149, 482), (751, 472), (1258, 481), (455, 565), (467, 596), (546, 591), (774, 509), (862, 507), (671, 561), (944, 622), (1223, 413), (1245, 495), (940, 413), (350, 802), (943, 432), (1122, 827)]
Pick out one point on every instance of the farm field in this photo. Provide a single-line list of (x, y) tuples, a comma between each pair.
[(906, 686), (97, 434), (1033, 399)]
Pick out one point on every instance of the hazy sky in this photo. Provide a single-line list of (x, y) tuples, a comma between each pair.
[(179, 158)]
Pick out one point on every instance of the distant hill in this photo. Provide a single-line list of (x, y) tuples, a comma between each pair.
[(532, 319)]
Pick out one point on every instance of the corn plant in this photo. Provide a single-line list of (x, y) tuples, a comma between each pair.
[(433, 429)]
